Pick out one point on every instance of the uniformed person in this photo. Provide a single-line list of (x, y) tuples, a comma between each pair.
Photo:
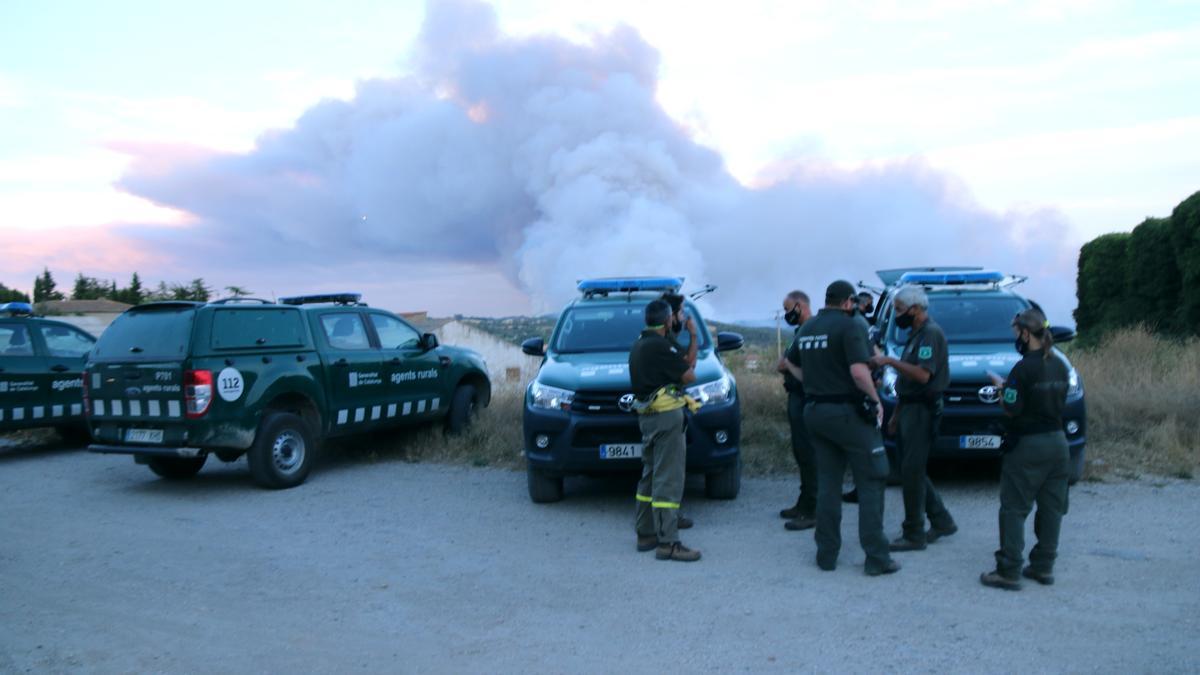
[(866, 307), (924, 373), (801, 516), (1037, 468), (675, 327), (658, 371), (842, 414)]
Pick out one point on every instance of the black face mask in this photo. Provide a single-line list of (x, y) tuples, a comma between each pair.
[(792, 317), (1022, 347), (676, 326), (904, 320)]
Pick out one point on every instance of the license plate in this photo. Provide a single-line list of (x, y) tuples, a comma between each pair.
[(143, 435), (979, 442), (621, 451)]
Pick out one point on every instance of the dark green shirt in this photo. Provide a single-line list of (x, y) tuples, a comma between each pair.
[(1036, 393), (828, 344), (926, 347), (654, 362), (790, 383)]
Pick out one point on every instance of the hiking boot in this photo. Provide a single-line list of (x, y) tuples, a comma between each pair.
[(906, 544), (935, 533), (890, 568), (997, 580), (801, 522), (850, 497), (647, 543), (676, 551), (1043, 578), (792, 511), (827, 566), (684, 523)]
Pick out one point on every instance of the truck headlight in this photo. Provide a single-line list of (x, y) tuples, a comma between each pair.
[(1074, 384), (712, 393), (550, 398), (889, 381)]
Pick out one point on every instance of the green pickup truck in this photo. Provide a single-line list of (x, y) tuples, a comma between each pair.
[(173, 382)]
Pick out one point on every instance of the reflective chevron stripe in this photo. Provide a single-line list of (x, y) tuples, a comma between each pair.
[(41, 412), (388, 411)]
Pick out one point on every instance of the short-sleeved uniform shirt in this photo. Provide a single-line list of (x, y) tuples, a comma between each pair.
[(1036, 393), (926, 347), (790, 383), (654, 362), (829, 343)]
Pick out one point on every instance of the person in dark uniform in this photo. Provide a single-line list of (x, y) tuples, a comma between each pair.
[(658, 371), (866, 307), (802, 515), (842, 414), (924, 373), (675, 326), (1038, 466)]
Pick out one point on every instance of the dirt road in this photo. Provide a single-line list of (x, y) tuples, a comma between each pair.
[(400, 567)]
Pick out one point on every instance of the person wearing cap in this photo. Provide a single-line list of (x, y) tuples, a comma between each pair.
[(843, 416), (1037, 468), (802, 515), (658, 371), (924, 373)]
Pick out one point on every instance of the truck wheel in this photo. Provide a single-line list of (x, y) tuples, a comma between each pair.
[(724, 484), (1077, 462), (176, 468), (462, 409), (544, 487), (74, 434), (282, 453)]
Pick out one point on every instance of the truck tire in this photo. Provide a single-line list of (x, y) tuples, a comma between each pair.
[(724, 484), (462, 409), (544, 488), (283, 450), (176, 468), (1077, 464)]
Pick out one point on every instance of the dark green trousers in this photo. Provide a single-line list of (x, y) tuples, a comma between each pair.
[(1035, 471), (916, 431), (664, 470), (840, 438), (802, 450)]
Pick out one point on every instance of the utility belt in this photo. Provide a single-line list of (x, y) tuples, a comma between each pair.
[(665, 399), (863, 405)]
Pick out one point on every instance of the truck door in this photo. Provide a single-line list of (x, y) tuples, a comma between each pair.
[(66, 349), (414, 374), (354, 372), (24, 378)]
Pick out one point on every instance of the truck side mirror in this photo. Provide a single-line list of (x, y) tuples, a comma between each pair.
[(1062, 333), (429, 342), (534, 347), (727, 342)]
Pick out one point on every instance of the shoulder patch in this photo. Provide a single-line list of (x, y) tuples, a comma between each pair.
[(1010, 395), (926, 352)]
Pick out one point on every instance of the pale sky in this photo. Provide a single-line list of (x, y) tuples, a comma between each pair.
[(1090, 108)]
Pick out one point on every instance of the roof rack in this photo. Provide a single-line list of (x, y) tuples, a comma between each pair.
[(591, 287), (335, 298), (17, 309)]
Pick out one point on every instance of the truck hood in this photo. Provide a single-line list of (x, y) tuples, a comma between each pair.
[(609, 371)]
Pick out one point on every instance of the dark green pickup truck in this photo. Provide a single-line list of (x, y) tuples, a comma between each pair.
[(173, 382)]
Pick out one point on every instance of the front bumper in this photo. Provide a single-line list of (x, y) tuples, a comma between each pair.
[(985, 420), (575, 439)]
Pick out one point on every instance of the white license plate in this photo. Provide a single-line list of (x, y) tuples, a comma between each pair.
[(621, 451), (143, 435), (979, 442)]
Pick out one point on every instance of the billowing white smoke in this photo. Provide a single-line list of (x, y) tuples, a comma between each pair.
[(554, 161)]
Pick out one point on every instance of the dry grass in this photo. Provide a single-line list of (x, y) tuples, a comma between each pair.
[(1143, 397)]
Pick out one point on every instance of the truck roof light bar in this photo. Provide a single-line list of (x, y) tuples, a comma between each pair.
[(952, 278), (590, 287), (17, 309), (335, 298)]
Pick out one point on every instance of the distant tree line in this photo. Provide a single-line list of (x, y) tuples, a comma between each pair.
[(45, 288), (1150, 276)]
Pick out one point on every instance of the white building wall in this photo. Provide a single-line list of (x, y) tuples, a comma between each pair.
[(508, 366), (92, 323)]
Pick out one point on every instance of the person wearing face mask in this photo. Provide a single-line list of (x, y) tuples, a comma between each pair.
[(802, 515), (842, 415), (1037, 468), (924, 373), (675, 325), (866, 307)]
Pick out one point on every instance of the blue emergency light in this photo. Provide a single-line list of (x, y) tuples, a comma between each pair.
[(630, 285), (335, 298), (17, 309), (951, 278)]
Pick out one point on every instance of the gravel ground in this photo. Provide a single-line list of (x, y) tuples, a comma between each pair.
[(410, 568)]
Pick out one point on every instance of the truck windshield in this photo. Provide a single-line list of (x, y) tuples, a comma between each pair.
[(147, 335), (971, 318), (609, 328)]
